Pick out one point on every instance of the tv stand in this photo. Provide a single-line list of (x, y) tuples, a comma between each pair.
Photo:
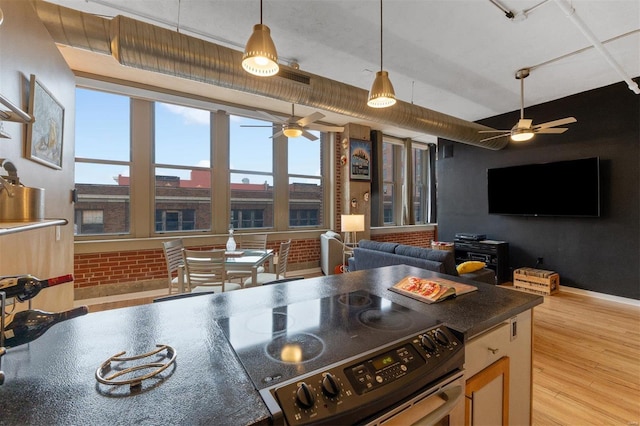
[(494, 253)]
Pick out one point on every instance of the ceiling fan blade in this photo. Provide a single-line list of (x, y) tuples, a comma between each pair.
[(555, 123), (323, 128), (494, 137), (275, 135), (254, 125), (310, 118), (556, 130), (309, 136), (272, 117), (494, 131)]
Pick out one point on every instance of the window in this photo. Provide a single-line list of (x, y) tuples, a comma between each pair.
[(175, 220), (154, 163), (247, 218), (251, 172), (404, 183), (102, 166), (306, 185), (392, 182), (420, 185), (89, 222), (182, 152)]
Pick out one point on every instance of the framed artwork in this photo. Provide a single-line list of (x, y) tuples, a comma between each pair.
[(44, 134), (360, 160)]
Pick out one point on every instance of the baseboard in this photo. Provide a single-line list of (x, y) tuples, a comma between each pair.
[(603, 296)]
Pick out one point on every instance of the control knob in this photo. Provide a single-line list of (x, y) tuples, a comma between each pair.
[(428, 343), (305, 396), (330, 385), (442, 338)]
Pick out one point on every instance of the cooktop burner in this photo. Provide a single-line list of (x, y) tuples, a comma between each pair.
[(285, 342)]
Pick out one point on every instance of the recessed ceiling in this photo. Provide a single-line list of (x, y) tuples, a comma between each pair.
[(458, 57)]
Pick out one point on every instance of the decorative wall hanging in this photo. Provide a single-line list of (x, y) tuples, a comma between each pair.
[(360, 160), (45, 134)]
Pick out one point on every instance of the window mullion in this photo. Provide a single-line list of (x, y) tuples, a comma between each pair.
[(220, 178), (141, 172), (281, 183)]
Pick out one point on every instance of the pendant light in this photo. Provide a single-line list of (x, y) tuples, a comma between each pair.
[(260, 57), (381, 94)]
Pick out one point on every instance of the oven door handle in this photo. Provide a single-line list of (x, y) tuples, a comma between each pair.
[(452, 395)]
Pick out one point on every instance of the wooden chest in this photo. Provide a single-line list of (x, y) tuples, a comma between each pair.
[(536, 281)]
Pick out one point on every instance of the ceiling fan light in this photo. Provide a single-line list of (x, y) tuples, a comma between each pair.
[(260, 57), (292, 131), (381, 94), (521, 135)]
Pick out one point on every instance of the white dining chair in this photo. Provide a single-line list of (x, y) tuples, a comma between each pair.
[(173, 257), (206, 271), (248, 242), (281, 268)]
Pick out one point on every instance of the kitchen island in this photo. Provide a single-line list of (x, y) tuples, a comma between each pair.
[(51, 380)]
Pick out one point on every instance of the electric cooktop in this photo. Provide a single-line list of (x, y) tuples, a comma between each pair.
[(282, 343)]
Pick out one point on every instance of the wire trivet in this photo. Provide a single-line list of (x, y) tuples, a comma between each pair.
[(105, 368)]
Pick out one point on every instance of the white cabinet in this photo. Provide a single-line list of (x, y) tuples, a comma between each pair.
[(498, 374)]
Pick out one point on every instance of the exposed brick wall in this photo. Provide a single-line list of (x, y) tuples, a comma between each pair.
[(98, 269), (118, 267), (419, 239)]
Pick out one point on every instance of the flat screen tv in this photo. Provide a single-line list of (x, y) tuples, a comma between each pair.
[(561, 188)]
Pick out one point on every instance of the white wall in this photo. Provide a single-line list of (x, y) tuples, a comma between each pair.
[(26, 48)]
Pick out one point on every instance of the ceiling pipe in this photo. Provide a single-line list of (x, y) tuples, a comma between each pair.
[(145, 46), (573, 16)]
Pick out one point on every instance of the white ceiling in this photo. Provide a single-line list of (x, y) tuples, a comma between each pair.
[(457, 57)]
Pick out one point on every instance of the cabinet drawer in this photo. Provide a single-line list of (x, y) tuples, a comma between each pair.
[(486, 349)]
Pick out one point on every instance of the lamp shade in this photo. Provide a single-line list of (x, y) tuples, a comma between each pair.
[(521, 135), (352, 223), (381, 94), (260, 57), (292, 131)]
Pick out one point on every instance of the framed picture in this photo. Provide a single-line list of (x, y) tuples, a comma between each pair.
[(44, 134), (359, 159)]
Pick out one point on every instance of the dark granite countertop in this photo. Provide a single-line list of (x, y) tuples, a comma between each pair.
[(51, 380)]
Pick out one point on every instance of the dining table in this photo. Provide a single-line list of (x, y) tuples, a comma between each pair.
[(237, 261), (247, 261)]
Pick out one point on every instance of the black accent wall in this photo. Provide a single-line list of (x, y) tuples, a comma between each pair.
[(597, 254)]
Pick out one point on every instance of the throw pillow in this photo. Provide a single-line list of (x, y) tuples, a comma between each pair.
[(470, 266)]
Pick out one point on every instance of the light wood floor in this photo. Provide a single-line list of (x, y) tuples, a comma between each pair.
[(586, 358), (586, 362)]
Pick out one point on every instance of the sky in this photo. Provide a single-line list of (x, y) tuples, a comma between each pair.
[(182, 138)]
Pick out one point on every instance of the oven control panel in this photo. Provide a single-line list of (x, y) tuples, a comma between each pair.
[(360, 387)]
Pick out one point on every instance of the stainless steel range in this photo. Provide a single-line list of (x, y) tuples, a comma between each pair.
[(353, 358)]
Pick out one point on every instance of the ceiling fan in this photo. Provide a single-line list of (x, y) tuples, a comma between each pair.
[(294, 127), (524, 130)]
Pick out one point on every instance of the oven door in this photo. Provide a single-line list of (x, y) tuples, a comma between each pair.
[(442, 404)]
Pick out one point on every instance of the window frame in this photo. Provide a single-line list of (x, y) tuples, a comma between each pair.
[(142, 165)]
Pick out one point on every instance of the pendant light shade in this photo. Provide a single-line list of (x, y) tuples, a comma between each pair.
[(381, 94), (260, 57)]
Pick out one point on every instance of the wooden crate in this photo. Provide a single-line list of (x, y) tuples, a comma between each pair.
[(536, 281)]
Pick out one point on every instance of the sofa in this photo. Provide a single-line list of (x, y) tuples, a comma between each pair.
[(331, 249), (374, 254)]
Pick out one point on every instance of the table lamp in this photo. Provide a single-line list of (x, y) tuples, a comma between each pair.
[(350, 224)]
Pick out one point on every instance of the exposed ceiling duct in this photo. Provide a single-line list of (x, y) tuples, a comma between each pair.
[(144, 46)]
